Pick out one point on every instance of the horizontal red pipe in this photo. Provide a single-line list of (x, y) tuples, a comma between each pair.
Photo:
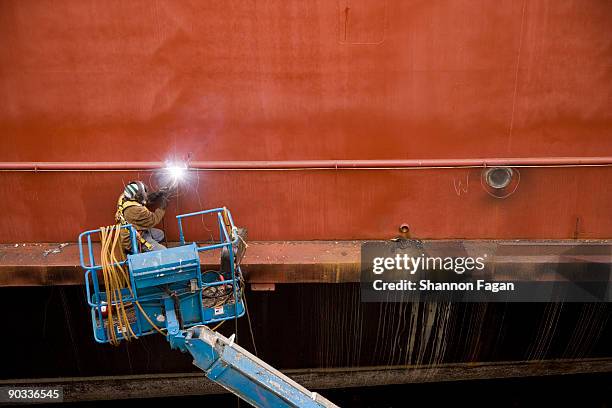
[(311, 164)]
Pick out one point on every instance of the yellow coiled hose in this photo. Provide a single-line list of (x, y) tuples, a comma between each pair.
[(116, 279)]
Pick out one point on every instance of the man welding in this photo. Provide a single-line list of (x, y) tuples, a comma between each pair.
[(132, 209)]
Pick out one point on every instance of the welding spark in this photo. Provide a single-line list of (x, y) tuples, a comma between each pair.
[(177, 171), (173, 174)]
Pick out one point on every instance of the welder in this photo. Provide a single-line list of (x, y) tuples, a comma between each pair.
[(132, 209)]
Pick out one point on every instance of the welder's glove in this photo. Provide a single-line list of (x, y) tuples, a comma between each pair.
[(155, 196), (163, 202)]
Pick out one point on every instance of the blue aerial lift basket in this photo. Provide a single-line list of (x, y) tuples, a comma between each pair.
[(167, 289), (167, 285)]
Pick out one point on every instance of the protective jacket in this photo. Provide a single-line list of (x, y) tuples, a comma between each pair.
[(133, 212)]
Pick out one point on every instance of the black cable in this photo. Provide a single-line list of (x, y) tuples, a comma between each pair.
[(246, 308), (164, 229)]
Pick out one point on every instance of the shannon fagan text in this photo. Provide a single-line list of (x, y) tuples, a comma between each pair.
[(412, 264), (427, 285)]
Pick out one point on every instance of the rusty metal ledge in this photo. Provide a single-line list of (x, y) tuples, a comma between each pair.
[(266, 262), (309, 261), (170, 385)]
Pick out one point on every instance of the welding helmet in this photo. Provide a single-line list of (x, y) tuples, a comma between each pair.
[(136, 191)]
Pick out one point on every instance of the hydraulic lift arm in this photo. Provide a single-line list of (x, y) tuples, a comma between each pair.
[(242, 373)]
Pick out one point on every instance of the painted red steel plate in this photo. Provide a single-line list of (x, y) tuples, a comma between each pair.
[(293, 80)]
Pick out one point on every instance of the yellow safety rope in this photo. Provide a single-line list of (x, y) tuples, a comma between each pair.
[(116, 279), (116, 314)]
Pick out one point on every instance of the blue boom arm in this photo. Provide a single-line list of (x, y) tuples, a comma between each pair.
[(242, 373)]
